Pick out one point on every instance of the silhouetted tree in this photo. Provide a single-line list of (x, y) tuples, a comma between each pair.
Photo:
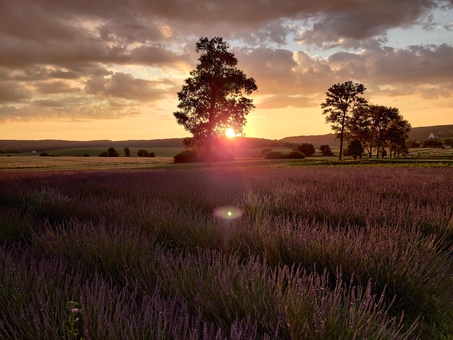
[(342, 100), (306, 148), (397, 134), (142, 153), (127, 152), (212, 99), (377, 126), (325, 150), (112, 152)]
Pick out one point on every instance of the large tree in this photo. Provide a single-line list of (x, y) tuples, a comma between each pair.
[(342, 100), (212, 99)]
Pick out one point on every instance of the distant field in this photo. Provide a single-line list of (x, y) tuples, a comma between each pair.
[(95, 152), (80, 163), (71, 159)]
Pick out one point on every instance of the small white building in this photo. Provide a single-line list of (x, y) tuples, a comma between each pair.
[(431, 136)]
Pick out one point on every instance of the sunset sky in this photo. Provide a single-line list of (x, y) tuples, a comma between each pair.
[(110, 69)]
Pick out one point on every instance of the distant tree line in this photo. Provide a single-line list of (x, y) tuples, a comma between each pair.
[(430, 143), (298, 151), (111, 152)]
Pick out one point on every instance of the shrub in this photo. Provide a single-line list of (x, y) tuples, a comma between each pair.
[(325, 150), (265, 151), (104, 154), (294, 155), (355, 149), (432, 143), (86, 155), (145, 153), (45, 154), (273, 155), (306, 148), (186, 156), (412, 144)]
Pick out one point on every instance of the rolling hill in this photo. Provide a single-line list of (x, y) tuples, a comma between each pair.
[(417, 134)]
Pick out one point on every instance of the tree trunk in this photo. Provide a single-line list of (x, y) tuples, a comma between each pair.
[(340, 156), (208, 147)]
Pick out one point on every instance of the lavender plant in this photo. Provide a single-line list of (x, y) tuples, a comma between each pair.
[(312, 253)]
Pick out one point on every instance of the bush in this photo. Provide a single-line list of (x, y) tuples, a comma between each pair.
[(45, 154), (145, 153), (355, 149), (273, 155), (307, 149), (294, 155), (186, 156), (325, 150), (86, 155), (412, 144), (104, 154), (265, 151), (432, 143)]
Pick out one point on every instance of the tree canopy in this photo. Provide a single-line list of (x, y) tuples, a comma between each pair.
[(342, 100), (378, 126), (213, 97)]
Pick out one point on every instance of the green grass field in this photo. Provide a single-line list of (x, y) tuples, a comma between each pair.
[(71, 159)]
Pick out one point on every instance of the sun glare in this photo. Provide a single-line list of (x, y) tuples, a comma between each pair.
[(230, 133)]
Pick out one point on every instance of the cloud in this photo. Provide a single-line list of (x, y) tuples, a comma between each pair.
[(125, 86), (277, 102), (53, 87), (73, 59), (10, 93)]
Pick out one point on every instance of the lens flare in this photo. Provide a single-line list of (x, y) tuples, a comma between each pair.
[(228, 212)]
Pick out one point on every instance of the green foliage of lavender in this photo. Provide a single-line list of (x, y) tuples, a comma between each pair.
[(316, 253)]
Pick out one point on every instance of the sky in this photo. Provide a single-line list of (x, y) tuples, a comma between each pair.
[(111, 69)]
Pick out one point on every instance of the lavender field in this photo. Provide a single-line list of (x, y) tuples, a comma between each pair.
[(252, 253)]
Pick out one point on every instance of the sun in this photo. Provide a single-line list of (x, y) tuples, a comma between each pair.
[(230, 133)]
